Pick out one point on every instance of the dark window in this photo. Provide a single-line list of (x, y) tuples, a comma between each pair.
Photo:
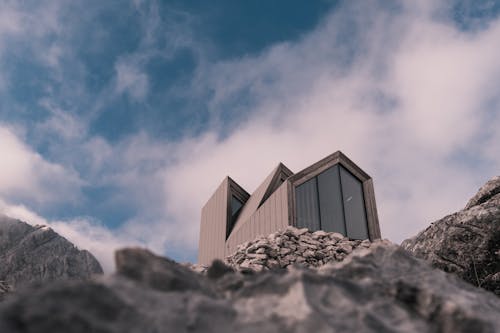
[(307, 205), (332, 201), (354, 205), (236, 205)]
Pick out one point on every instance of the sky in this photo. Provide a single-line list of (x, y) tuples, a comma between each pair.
[(118, 119)]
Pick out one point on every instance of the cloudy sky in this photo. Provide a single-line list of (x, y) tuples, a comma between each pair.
[(118, 119)]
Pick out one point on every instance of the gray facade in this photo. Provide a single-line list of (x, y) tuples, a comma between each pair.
[(333, 194)]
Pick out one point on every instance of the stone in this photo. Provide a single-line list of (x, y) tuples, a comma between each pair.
[(218, 269), (257, 256), (467, 242), (155, 272), (485, 193), (380, 289), (35, 254), (344, 248), (335, 236), (299, 232), (308, 254), (319, 234), (260, 250), (284, 251)]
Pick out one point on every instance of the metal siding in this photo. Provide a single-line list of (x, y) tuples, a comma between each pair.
[(281, 197), (276, 211), (307, 205), (214, 215), (257, 223), (253, 202), (284, 207), (267, 221), (253, 226)]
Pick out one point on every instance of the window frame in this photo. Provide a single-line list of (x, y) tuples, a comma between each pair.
[(324, 164)]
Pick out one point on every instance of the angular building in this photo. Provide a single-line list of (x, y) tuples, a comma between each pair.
[(333, 194)]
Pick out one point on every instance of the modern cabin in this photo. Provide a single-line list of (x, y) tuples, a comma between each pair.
[(333, 194)]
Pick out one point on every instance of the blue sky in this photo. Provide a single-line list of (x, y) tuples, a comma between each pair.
[(119, 118)]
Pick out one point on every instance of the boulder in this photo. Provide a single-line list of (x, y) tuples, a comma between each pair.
[(382, 288), (157, 272), (466, 243), (34, 254)]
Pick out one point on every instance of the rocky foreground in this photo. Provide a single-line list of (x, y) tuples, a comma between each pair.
[(380, 289), (290, 281)]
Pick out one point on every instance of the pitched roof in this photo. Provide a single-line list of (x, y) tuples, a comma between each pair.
[(268, 186)]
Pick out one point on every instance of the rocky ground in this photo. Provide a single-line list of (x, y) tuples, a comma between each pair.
[(290, 281), (380, 289)]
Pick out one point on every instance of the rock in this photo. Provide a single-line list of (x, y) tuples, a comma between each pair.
[(379, 289), (466, 243), (293, 246), (5, 288), (486, 192), (34, 254), (157, 272), (218, 269), (319, 234)]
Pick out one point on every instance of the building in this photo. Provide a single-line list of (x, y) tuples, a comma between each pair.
[(333, 194)]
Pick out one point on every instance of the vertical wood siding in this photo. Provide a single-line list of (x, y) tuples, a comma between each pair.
[(270, 217), (213, 226)]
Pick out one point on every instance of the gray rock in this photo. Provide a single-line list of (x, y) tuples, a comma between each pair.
[(31, 254), (293, 246), (157, 272), (380, 289), (466, 243), (486, 192)]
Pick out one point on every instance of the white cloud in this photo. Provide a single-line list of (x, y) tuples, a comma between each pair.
[(27, 175), (61, 124)]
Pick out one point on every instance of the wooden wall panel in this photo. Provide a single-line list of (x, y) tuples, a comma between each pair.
[(213, 226), (270, 217)]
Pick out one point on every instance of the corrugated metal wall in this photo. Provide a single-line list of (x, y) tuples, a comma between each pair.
[(270, 217), (213, 226)]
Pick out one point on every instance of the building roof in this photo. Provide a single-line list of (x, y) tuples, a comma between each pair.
[(268, 186)]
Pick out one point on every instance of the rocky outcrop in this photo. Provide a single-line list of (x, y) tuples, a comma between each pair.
[(293, 246), (485, 193), (33, 254), (466, 243), (379, 289)]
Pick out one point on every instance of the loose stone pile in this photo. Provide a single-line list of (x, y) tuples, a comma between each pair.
[(293, 246)]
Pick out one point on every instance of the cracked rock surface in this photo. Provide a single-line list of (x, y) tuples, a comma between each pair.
[(382, 288), (36, 254), (467, 242)]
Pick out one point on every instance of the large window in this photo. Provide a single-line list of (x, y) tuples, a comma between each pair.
[(332, 201)]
